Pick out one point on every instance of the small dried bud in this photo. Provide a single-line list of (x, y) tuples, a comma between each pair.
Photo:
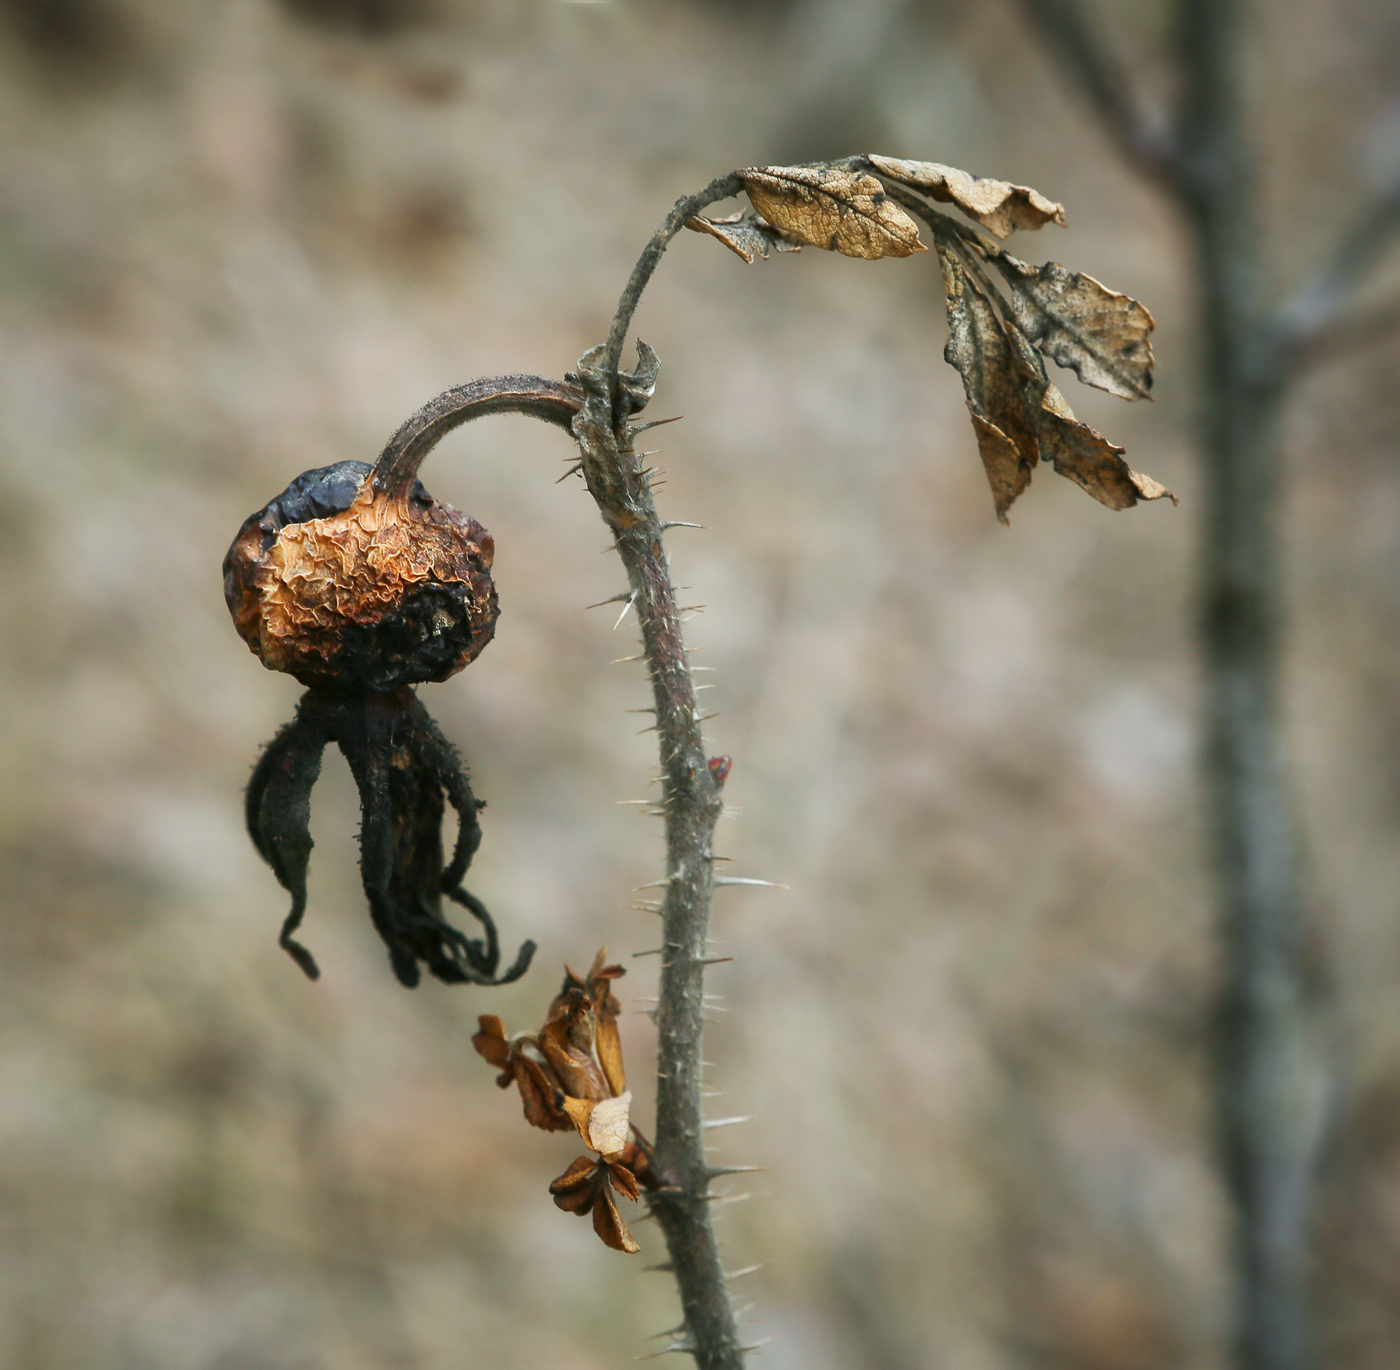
[(349, 589)]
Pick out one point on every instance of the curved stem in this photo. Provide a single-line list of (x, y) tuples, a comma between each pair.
[(721, 188), (397, 468)]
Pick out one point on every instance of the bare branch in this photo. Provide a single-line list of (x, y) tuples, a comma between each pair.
[(1144, 138), (1313, 321)]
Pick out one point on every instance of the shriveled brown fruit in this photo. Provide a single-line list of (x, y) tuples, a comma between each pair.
[(348, 589), (833, 208), (998, 206)]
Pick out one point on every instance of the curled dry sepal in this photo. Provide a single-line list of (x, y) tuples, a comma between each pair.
[(862, 207), (570, 1075)]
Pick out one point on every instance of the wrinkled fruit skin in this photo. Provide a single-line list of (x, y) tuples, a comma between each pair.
[(347, 589)]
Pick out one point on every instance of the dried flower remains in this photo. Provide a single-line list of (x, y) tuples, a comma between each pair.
[(360, 594), (570, 1076)]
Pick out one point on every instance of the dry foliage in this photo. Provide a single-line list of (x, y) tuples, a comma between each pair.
[(996, 336), (570, 1075)]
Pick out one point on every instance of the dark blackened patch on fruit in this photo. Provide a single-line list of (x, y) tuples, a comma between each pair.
[(424, 639)]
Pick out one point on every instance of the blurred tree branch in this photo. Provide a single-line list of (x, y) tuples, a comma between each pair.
[(1143, 136), (1270, 1079)]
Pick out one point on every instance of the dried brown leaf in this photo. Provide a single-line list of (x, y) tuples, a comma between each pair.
[(1018, 415), (833, 208), (994, 382), (998, 206), (747, 235), (608, 1224), (1090, 460), (1102, 336)]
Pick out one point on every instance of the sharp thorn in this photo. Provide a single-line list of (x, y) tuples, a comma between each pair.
[(653, 951), (641, 656), (667, 1266), (653, 885), (733, 1274), (727, 1198), (744, 880), (715, 1171), (715, 960), (573, 470), (726, 1122), (623, 614), (675, 1346), (669, 1332), (653, 423), (628, 595), (677, 523)]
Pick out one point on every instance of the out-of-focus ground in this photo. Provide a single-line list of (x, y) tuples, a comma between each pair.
[(241, 239)]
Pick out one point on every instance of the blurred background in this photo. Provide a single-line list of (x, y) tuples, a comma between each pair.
[(242, 238)]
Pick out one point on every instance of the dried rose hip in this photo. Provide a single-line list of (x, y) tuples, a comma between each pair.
[(359, 583), (349, 589)]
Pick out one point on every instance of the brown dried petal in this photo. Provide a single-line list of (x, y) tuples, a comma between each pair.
[(537, 1094), (998, 206), (608, 1224), (624, 1181), (746, 235), (575, 1190), (833, 208), (578, 1071), (491, 1044), (609, 1047), (602, 1123), (1102, 336)]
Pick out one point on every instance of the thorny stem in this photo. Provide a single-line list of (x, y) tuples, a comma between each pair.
[(691, 803), (690, 800)]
